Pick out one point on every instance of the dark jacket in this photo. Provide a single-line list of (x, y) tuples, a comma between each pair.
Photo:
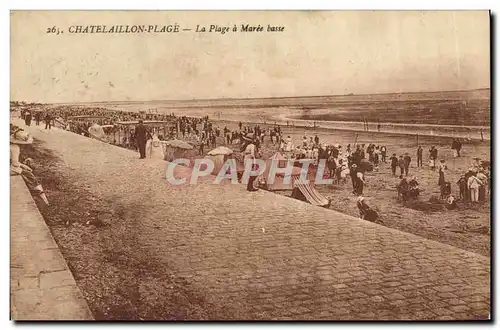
[(407, 160), (394, 161), (140, 133)]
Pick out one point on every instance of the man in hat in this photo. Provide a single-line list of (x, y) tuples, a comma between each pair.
[(141, 138)]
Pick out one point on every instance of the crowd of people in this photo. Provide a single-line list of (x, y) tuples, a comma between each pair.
[(343, 163)]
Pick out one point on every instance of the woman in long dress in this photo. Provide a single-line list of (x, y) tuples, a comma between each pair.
[(154, 148), (442, 168)]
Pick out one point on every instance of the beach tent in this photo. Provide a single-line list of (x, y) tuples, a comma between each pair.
[(219, 156), (176, 149), (306, 192)]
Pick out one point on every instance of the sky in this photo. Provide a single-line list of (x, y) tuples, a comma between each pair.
[(318, 53)]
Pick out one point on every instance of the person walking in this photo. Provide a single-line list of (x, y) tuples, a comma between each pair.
[(420, 152), (407, 160), (141, 138), (394, 164)]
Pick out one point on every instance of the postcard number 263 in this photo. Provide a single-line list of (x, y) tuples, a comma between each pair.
[(54, 30)]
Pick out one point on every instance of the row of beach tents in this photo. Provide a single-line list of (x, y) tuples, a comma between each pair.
[(289, 181)]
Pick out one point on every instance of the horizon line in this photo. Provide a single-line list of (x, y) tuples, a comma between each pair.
[(260, 98)]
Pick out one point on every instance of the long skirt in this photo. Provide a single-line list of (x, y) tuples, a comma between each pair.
[(441, 180), (359, 187)]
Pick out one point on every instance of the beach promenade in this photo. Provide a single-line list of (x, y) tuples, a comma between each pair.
[(264, 256), (41, 285)]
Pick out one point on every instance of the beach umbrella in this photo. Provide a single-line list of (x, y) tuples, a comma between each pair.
[(220, 151), (97, 132), (178, 144)]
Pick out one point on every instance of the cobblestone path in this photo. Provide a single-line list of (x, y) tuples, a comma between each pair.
[(264, 256)]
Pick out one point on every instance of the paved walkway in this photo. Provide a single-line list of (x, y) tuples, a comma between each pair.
[(41, 285), (264, 256)]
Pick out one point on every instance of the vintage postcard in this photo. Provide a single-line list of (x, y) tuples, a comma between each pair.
[(250, 165)]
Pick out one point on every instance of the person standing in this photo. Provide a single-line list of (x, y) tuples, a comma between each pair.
[(401, 164), (48, 121), (38, 116), (202, 145), (249, 157), (394, 164), (442, 168), (433, 154), (462, 186), (473, 184), (360, 182), (459, 147), (376, 156), (27, 118), (407, 160), (141, 138), (420, 152), (456, 146), (383, 152), (353, 174), (482, 187)]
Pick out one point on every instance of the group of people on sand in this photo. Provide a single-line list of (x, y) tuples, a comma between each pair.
[(28, 115), (474, 185)]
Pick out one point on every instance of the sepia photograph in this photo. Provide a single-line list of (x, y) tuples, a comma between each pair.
[(250, 165)]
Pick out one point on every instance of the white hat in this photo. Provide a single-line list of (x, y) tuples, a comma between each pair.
[(21, 137)]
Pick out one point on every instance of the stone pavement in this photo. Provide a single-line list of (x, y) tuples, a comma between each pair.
[(264, 256), (41, 285)]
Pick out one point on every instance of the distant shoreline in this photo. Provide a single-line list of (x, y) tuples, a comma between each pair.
[(350, 95)]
